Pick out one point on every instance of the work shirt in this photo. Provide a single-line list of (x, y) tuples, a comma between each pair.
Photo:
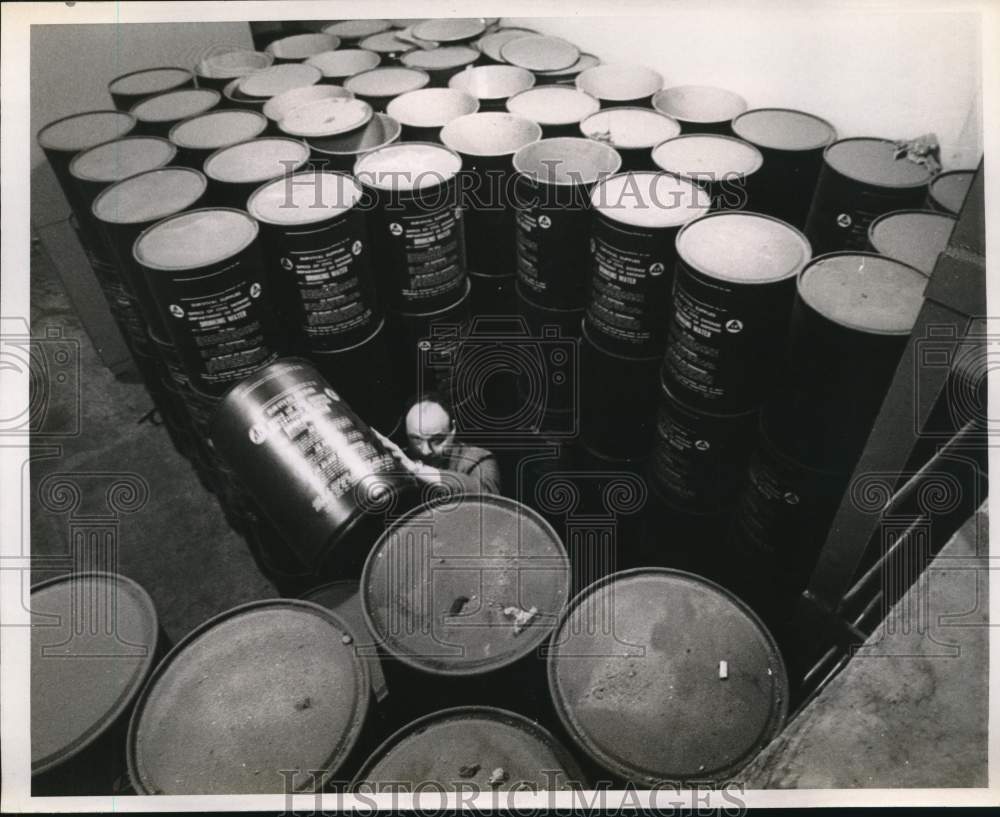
[(476, 468)]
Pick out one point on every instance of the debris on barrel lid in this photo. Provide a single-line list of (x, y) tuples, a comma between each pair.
[(522, 618), (498, 776)]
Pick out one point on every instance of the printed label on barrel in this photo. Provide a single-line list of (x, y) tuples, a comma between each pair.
[(432, 249), (695, 344), (843, 217), (550, 244)]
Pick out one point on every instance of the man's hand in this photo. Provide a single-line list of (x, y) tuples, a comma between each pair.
[(418, 469)]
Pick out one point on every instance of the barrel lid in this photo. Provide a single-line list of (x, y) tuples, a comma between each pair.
[(80, 131), (149, 81), (492, 81), (584, 62), (915, 237), (405, 22), (301, 46), (216, 129), (864, 291), (356, 29), (272, 81), (619, 82), (649, 199), (381, 130), (707, 157), (491, 44), (232, 64), (387, 81), (949, 189), (783, 129), (195, 239), (431, 107), (699, 103), (386, 42), (344, 63), (277, 107), (538, 52), (269, 686), (433, 59), (553, 105), (121, 158), (449, 29), (680, 680), (629, 127), (85, 673), (490, 134), (304, 198), (150, 196), (567, 160), (407, 166), (343, 598), (256, 160), (485, 582), (873, 161), (176, 105), (747, 247), (326, 117), (464, 746)]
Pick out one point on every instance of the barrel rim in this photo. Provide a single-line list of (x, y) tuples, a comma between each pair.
[(558, 89), (322, 218), (409, 192), (494, 54), (156, 225), (479, 26), (390, 644), (404, 44), (172, 135), (395, 105), (573, 70), (910, 211), (532, 176), (423, 75), (549, 38), (457, 47), (169, 168), (617, 109), (74, 162), (362, 704), (322, 89), (958, 171), (612, 66), (189, 78), (211, 92), (273, 69), (779, 709), (39, 137), (132, 695), (467, 712), (601, 212), (199, 72), (363, 115), (821, 146), (795, 231), (231, 88), (312, 60), (534, 127), (713, 136), (512, 70), (330, 40), (235, 145), (352, 37), (382, 118), (735, 97), (877, 185)]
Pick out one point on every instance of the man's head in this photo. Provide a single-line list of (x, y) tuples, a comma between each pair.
[(430, 429)]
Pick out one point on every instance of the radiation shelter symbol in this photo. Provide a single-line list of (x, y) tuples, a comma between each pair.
[(734, 326), (331, 394), (544, 222), (702, 445), (844, 220), (791, 498), (176, 311), (396, 229), (254, 290), (356, 247), (656, 268), (258, 433), (286, 264)]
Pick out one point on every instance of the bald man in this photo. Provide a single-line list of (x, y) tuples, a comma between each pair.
[(436, 455)]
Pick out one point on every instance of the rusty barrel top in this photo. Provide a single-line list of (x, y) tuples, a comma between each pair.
[(915, 237), (661, 675), (266, 687)]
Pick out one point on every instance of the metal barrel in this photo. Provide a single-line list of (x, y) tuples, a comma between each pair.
[(553, 216), (637, 218), (851, 319), (491, 42), (441, 63), (460, 594), (861, 179), (792, 144), (633, 132), (91, 631), (448, 30), (388, 46), (513, 753), (380, 86), (254, 89), (256, 738), (353, 31), (728, 168), (487, 142), (425, 344), (156, 115), (492, 85), (423, 113), (620, 84), (218, 69), (733, 292), (200, 136), (129, 89), (323, 118), (699, 457), (618, 396), (416, 225), (567, 76), (646, 629), (915, 237), (312, 464), (236, 171), (315, 241), (126, 208), (948, 191), (557, 108), (278, 107), (337, 66), (206, 274), (232, 98), (301, 47), (342, 152), (700, 108)]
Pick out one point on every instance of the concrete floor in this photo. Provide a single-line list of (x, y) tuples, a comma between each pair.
[(910, 710)]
